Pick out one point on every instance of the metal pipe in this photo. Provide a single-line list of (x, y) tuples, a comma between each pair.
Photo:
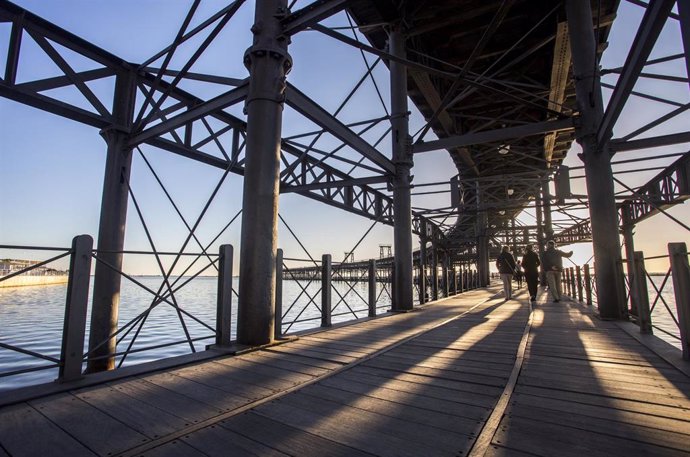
[(372, 288), (599, 176), (326, 302), (268, 62)]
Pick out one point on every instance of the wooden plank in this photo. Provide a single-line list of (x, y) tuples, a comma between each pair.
[(602, 412), (616, 403), (544, 438), (136, 414), (435, 439), (253, 377), (457, 373), (418, 400), (92, 427), (487, 391), (287, 439), (679, 440), (186, 408), (409, 413), (221, 377), (313, 354), (175, 448), (376, 438), (216, 440), (255, 365), (430, 360), (499, 451), (24, 432), (416, 347), (218, 398), (607, 389), (294, 363)]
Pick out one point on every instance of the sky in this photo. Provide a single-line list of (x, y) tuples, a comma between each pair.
[(51, 169)]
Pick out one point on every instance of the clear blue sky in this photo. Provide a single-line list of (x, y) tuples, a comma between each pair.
[(51, 168)]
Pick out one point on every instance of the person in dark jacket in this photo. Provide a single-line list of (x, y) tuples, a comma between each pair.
[(530, 267), (506, 267), (552, 261)]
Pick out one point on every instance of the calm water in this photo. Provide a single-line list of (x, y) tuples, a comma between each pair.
[(32, 318)]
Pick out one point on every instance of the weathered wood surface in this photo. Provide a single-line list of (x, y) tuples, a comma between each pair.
[(420, 383)]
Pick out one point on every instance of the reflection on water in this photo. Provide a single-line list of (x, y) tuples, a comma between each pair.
[(32, 318)]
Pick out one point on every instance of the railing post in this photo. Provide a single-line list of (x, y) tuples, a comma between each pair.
[(372, 288), (76, 305), (639, 293), (224, 304), (678, 253), (326, 290), (588, 286), (578, 272), (278, 318), (573, 282)]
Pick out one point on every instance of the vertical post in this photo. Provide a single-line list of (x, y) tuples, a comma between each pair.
[(422, 265), (111, 228), (446, 275), (578, 272), (588, 286), (77, 302), (326, 290), (268, 63), (224, 305), (402, 159), (573, 288), (434, 269), (678, 253), (372, 288), (597, 162), (482, 230), (629, 244), (540, 237), (644, 316), (278, 320), (546, 202)]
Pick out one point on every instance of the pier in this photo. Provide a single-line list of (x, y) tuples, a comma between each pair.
[(227, 323), (469, 375)]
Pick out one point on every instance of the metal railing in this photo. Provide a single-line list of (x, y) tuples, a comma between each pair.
[(640, 292), (46, 358)]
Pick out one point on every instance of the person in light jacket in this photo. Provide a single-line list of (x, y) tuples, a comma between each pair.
[(552, 262), (506, 267)]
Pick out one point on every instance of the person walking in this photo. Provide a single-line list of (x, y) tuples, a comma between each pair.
[(552, 262), (518, 274), (530, 265), (506, 267)]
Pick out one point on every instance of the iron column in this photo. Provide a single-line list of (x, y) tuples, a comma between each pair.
[(482, 229), (597, 161), (268, 63), (546, 201), (111, 228), (402, 158)]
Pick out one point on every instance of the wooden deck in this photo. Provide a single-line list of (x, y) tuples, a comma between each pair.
[(470, 375)]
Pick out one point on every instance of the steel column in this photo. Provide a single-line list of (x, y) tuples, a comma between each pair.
[(111, 228), (678, 253), (641, 293), (546, 202), (268, 63), (278, 319), (597, 161), (482, 242), (402, 159)]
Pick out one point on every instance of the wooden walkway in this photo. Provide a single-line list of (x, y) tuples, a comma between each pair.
[(470, 375)]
